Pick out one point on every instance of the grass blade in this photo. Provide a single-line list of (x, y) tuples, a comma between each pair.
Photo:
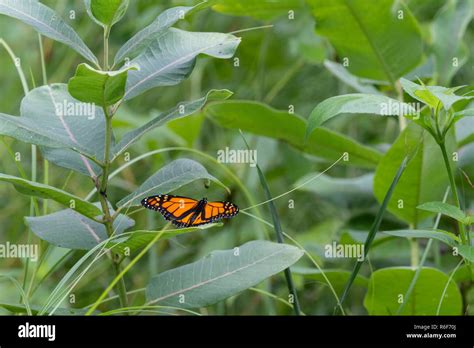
[(278, 231), (375, 227)]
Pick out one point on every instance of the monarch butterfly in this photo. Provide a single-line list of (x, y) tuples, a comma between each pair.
[(188, 212)]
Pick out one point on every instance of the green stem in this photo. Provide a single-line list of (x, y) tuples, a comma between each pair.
[(454, 190), (106, 47), (33, 202), (43, 63), (108, 140), (402, 121), (122, 290), (102, 186), (108, 219), (414, 252), (422, 262), (46, 182), (120, 274), (45, 82)]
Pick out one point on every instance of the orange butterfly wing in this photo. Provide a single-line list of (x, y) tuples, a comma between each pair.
[(211, 212), (171, 207), (188, 212)]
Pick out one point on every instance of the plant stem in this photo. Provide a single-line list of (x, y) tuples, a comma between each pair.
[(33, 202), (454, 190), (108, 219), (402, 122), (45, 82), (102, 186), (414, 252), (46, 182), (422, 262), (120, 274), (122, 290), (106, 47)]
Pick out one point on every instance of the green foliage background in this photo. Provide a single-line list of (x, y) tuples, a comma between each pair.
[(288, 66)]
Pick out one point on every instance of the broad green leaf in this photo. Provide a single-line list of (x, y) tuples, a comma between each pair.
[(413, 188), (48, 192), (420, 93), (181, 110), (445, 209), (55, 148), (447, 96), (145, 36), (106, 12), (79, 126), (46, 22), (360, 85), (221, 274), (433, 95), (259, 118), (328, 186), (376, 43), (24, 130), (72, 160), (337, 277), (262, 9), (443, 236), (448, 29), (104, 88), (68, 229), (140, 238), (467, 252), (386, 285), (356, 104), (170, 58), (70, 132), (171, 177)]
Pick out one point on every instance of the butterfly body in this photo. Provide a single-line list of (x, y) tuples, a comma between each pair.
[(188, 212)]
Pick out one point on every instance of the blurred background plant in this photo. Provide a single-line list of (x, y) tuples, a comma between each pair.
[(283, 64)]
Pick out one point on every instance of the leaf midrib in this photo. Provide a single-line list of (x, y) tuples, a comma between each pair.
[(63, 37), (161, 184), (176, 62), (371, 43), (226, 274)]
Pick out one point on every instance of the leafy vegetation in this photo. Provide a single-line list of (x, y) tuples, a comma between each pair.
[(342, 129)]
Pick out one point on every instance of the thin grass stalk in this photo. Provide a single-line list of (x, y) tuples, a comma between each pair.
[(278, 232), (422, 261), (375, 227)]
